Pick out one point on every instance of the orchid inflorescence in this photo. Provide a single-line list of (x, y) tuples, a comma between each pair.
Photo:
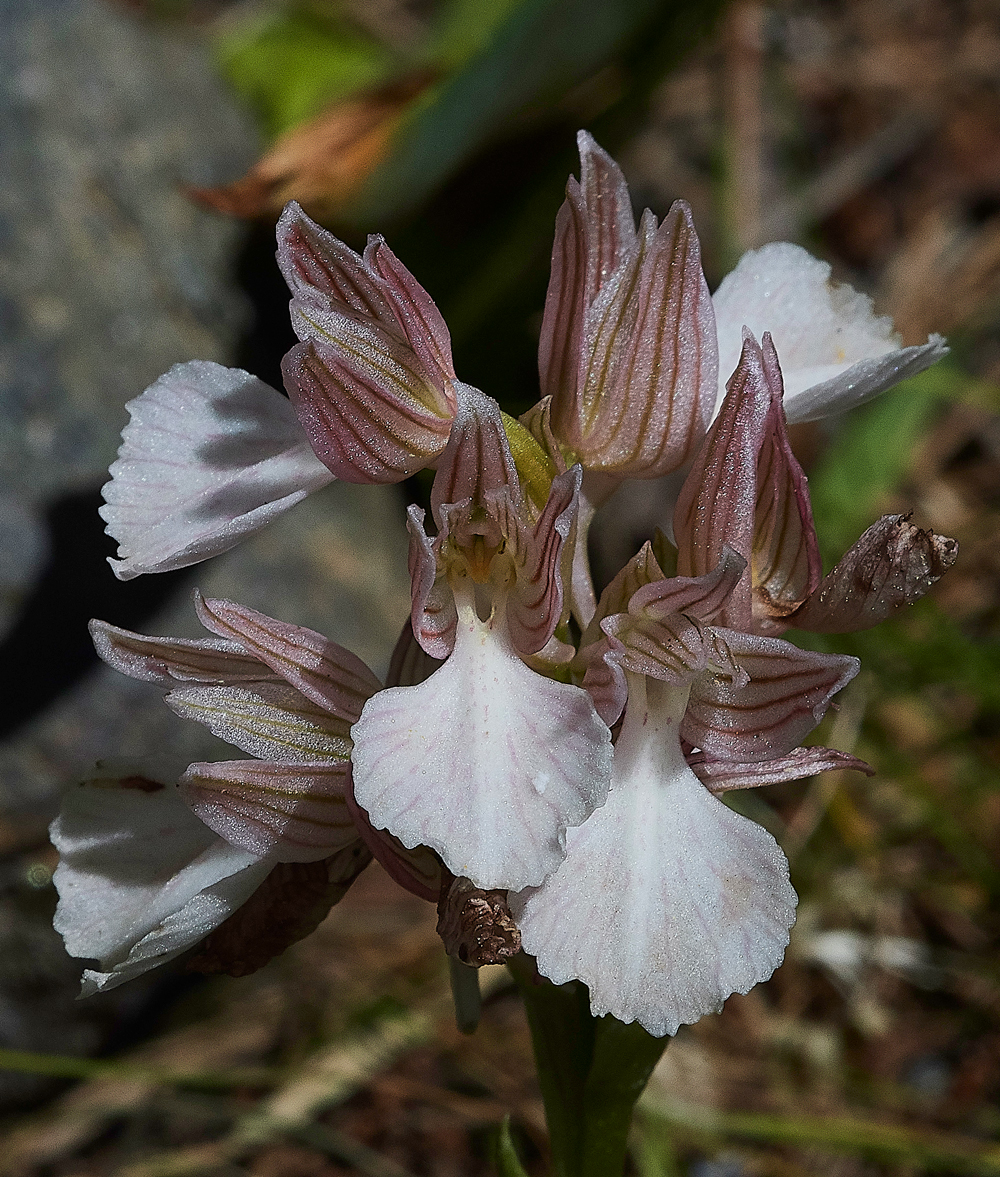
[(543, 763)]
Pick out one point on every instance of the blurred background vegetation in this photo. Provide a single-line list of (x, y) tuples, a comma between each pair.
[(867, 130)]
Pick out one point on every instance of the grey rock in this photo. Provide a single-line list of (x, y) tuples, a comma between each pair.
[(108, 272)]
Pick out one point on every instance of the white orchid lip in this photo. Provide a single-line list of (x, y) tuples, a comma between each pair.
[(668, 901), (486, 761)]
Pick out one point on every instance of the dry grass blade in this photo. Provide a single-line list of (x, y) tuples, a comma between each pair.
[(889, 1142), (327, 1078), (323, 162)]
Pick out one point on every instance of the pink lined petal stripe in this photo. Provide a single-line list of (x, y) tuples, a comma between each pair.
[(723, 775), (292, 812), (271, 721), (167, 660), (787, 695), (324, 672), (363, 428)]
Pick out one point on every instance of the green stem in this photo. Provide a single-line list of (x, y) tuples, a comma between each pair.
[(465, 993), (591, 1071)]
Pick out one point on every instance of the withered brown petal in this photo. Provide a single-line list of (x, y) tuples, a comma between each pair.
[(476, 926), (893, 564), (322, 162)]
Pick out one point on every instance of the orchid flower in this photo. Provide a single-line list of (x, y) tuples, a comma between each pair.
[(212, 454), (148, 870), (487, 761), (668, 901), (633, 350), (748, 464), (700, 904)]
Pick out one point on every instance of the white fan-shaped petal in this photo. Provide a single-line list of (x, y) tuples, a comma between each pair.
[(210, 455), (835, 352), (140, 878), (668, 901), (486, 761)]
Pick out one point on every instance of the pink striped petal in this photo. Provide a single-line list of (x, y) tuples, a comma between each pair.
[(324, 672), (604, 677), (716, 504), (787, 695), (416, 312), (893, 564), (271, 721), (641, 570), (785, 559), (746, 490), (323, 272), (595, 234), (433, 616), (701, 596), (535, 604), (486, 762), (672, 649), (477, 460), (668, 901), (210, 456), (289, 812), (660, 634), (364, 414), (628, 347), (377, 356), (167, 660), (650, 386), (723, 775)]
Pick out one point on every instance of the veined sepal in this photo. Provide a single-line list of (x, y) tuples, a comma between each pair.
[(747, 491), (290, 812), (628, 348)]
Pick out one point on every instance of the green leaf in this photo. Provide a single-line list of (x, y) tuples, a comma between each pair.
[(507, 1161), (534, 56), (290, 67), (465, 27)]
